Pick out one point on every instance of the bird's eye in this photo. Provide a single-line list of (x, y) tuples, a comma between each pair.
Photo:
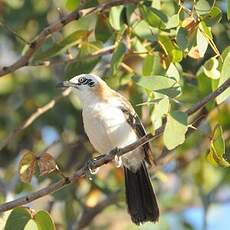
[(81, 79)]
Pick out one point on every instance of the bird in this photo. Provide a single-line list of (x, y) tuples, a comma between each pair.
[(110, 121)]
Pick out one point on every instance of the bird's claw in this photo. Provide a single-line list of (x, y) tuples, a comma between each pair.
[(89, 165)]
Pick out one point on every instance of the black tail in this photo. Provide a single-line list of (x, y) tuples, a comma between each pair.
[(140, 197)]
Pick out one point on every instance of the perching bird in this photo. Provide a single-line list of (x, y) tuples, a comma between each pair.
[(109, 122)]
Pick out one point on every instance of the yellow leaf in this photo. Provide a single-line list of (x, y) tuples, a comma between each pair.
[(46, 164), (27, 167)]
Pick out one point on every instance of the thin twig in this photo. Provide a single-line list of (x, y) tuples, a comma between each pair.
[(6, 27), (33, 117), (105, 158), (90, 213), (100, 52), (208, 98), (57, 26)]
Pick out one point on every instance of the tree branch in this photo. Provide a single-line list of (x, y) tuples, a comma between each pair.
[(106, 158), (57, 26), (100, 52), (90, 213), (33, 117)]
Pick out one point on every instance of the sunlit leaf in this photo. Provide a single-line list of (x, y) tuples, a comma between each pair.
[(202, 43), (161, 84), (44, 221), (173, 21), (161, 108), (175, 129), (217, 148), (115, 17), (46, 164), (228, 9), (27, 166), (144, 31), (72, 4), (211, 68), (18, 219), (224, 75), (173, 72), (202, 7)]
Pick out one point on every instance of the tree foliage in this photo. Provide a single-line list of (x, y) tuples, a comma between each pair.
[(165, 56)]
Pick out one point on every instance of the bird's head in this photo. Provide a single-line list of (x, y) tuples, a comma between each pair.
[(86, 86)]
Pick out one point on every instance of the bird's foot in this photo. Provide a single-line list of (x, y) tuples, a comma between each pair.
[(90, 165), (118, 161)]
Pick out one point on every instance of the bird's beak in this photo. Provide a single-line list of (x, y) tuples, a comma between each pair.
[(66, 84)]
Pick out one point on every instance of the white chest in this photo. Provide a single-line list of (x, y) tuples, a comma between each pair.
[(106, 127)]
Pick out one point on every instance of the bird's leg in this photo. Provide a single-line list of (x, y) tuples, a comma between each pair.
[(118, 161), (117, 158)]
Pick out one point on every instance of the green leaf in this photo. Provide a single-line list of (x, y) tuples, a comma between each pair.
[(228, 9), (73, 39), (175, 129), (154, 17), (117, 57), (148, 65), (182, 38), (138, 46), (18, 219), (144, 31), (80, 66), (213, 17), (129, 10), (161, 84), (224, 75), (72, 4), (31, 225), (173, 21), (202, 7), (84, 63), (202, 43), (173, 52), (177, 55), (102, 30), (207, 30), (44, 221), (161, 108), (217, 148), (211, 68), (115, 19), (173, 72)]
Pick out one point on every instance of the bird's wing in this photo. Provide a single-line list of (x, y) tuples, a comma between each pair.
[(135, 122)]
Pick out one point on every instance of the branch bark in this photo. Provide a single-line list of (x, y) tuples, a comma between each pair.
[(33, 117), (57, 26), (106, 158)]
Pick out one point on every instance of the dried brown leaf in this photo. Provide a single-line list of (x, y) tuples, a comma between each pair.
[(27, 167), (46, 164)]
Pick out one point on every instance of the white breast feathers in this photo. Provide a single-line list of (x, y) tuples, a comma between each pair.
[(107, 128)]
